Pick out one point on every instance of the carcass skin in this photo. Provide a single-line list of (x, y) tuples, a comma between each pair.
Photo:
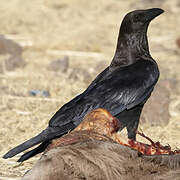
[(95, 151)]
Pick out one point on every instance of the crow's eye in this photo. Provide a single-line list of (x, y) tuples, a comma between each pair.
[(136, 18)]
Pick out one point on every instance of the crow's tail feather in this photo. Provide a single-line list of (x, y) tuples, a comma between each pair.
[(34, 151), (46, 135)]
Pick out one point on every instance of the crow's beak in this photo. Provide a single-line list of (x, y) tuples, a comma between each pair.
[(152, 13)]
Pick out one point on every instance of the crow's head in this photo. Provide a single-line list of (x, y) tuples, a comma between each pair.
[(138, 21), (132, 41)]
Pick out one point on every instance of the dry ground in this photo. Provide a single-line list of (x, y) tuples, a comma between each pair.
[(85, 31)]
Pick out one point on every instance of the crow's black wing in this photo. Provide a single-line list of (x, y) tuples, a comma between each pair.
[(115, 91), (126, 87)]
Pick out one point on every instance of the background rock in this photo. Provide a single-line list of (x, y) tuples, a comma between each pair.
[(156, 109), (14, 51), (59, 65)]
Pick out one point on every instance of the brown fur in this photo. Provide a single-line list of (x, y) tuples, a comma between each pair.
[(102, 160), (89, 153)]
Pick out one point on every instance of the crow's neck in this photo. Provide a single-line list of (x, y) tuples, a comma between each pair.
[(131, 48)]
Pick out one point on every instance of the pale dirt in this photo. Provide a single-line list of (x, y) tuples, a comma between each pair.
[(47, 30)]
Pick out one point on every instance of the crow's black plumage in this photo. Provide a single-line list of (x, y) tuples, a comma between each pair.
[(122, 88)]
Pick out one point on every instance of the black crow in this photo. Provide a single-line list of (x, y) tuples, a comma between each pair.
[(122, 88)]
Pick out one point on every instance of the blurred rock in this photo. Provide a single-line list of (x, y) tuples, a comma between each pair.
[(56, 4), (170, 85), (14, 62), (178, 42), (156, 110), (9, 47), (13, 49), (39, 93), (60, 65), (1, 69), (80, 75)]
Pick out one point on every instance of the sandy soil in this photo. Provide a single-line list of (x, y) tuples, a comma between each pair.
[(86, 32)]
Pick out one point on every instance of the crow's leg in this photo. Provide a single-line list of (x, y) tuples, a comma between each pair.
[(132, 128), (130, 119), (133, 120)]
